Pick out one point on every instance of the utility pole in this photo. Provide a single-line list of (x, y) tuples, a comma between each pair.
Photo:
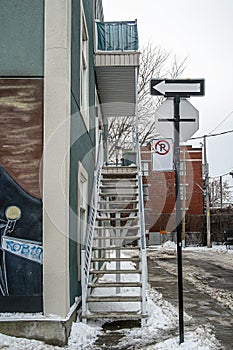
[(207, 197), (220, 182)]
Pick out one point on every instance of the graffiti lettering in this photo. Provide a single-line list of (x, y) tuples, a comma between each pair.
[(25, 250)]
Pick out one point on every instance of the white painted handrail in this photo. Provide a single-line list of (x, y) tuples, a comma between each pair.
[(86, 252)]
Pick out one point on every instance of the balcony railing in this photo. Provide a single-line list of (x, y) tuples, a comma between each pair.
[(116, 36)]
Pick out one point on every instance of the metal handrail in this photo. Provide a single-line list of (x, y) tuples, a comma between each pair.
[(141, 205), (86, 252), (141, 215), (142, 233)]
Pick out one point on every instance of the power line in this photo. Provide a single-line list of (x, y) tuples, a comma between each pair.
[(228, 173), (222, 121), (211, 135)]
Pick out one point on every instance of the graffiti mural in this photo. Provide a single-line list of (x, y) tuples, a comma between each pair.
[(21, 246)]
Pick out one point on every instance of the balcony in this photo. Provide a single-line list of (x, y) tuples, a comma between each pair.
[(116, 67)]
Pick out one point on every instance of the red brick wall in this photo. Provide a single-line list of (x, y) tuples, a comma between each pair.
[(160, 208)]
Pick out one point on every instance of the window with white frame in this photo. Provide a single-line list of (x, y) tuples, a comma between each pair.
[(82, 210), (183, 191), (145, 168), (83, 206), (84, 73), (98, 10), (182, 168)]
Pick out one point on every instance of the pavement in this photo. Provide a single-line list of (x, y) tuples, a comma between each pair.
[(207, 290)]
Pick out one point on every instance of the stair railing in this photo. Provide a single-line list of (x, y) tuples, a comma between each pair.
[(141, 211), (142, 233), (86, 252)]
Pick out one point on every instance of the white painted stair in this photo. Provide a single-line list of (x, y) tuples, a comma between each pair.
[(116, 279)]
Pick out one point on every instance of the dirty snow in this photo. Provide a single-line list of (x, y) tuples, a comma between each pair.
[(160, 332), (218, 255)]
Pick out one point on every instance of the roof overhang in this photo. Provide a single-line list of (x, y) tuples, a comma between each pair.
[(116, 76)]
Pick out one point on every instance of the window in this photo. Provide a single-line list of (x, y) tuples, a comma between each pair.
[(182, 168), (98, 10), (145, 168), (84, 72), (83, 206), (183, 192)]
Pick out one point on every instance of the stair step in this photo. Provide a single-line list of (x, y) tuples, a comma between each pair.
[(127, 218), (114, 284), (116, 179), (117, 227), (113, 272), (126, 176), (119, 237), (119, 170), (114, 299), (134, 210), (117, 248), (116, 172), (119, 205), (119, 186), (114, 259), (109, 166), (133, 201), (120, 315), (114, 194)]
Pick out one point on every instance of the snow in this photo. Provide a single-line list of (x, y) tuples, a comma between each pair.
[(218, 254), (160, 332), (197, 340)]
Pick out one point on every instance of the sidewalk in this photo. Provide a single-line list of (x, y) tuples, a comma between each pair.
[(160, 332)]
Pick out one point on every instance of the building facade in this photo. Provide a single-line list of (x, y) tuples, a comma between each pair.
[(49, 129), (160, 197), (56, 92)]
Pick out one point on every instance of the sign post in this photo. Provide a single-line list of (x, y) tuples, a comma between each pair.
[(178, 215), (178, 88)]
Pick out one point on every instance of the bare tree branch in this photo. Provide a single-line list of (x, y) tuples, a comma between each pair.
[(155, 62)]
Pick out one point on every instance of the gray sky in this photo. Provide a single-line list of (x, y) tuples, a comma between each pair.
[(203, 31)]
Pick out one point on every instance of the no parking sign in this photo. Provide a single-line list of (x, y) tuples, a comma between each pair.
[(162, 155)]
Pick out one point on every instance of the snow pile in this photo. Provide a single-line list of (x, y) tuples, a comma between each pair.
[(201, 339), (168, 247), (82, 336), (12, 343)]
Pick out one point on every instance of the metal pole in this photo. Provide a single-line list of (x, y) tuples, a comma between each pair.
[(178, 214), (221, 191), (207, 196), (184, 198)]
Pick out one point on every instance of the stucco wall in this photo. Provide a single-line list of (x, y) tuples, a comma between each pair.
[(22, 33)]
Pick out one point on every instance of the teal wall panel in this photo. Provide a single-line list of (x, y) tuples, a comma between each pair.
[(89, 13), (82, 149), (22, 37), (82, 140), (75, 53)]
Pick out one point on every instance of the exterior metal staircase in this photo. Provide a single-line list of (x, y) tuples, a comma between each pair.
[(114, 265)]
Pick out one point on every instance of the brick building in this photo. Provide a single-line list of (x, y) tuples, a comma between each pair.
[(159, 196)]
